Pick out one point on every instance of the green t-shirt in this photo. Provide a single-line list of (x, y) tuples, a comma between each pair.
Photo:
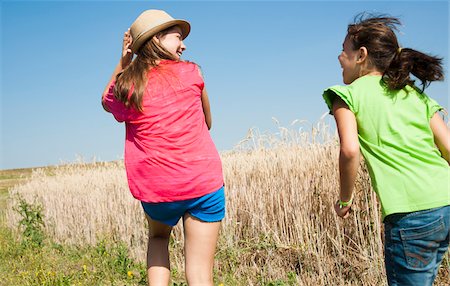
[(407, 170)]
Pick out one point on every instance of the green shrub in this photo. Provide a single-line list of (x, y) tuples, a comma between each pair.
[(31, 223)]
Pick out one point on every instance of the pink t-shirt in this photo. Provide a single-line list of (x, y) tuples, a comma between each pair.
[(169, 153)]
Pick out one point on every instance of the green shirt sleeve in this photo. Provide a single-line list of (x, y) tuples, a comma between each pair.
[(344, 92), (433, 107), (431, 104)]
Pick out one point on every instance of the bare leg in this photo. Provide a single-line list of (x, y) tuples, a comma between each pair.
[(200, 245), (158, 265)]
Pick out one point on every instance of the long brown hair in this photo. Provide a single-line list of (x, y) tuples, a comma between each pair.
[(376, 33), (134, 76)]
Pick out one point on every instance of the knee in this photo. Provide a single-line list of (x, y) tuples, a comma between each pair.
[(198, 280), (199, 275), (157, 230), (158, 236)]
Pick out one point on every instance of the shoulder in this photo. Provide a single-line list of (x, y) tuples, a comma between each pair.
[(350, 94), (432, 106), (366, 83), (189, 72), (361, 86), (184, 67), (187, 64), (343, 92)]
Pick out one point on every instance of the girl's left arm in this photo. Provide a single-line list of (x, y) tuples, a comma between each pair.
[(206, 108), (349, 154)]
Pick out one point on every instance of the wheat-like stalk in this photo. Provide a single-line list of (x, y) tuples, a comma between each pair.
[(280, 189)]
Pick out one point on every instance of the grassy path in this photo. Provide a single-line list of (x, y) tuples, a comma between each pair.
[(106, 263)]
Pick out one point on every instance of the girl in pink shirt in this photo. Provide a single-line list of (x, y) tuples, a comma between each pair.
[(172, 165)]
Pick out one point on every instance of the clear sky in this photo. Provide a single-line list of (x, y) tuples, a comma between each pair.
[(260, 59)]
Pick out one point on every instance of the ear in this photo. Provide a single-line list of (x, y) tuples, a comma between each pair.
[(155, 39), (362, 55)]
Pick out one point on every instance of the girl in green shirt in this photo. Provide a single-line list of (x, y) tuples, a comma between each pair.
[(406, 145)]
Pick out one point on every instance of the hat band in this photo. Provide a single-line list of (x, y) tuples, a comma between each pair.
[(153, 26)]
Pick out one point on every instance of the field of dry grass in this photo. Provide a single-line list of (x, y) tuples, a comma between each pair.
[(280, 225)]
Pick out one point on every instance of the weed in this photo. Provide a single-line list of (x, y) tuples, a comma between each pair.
[(122, 261), (31, 223)]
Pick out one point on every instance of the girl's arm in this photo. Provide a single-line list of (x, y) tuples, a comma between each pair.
[(125, 60), (117, 70), (349, 153), (206, 108), (441, 136)]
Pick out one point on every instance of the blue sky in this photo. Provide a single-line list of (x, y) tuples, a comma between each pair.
[(261, 59)]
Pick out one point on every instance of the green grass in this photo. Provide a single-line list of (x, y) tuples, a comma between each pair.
[(48, 263), (55, 264)]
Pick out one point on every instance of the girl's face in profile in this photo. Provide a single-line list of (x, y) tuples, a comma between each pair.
[(348, 60), (173, 41)]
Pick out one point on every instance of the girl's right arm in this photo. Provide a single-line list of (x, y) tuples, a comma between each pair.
[(441, 136), (349, 154), (125, 60)]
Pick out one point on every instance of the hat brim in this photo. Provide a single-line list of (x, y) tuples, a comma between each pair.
[(144, 36)]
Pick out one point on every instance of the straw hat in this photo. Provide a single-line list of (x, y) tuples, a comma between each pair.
[(151, 22)]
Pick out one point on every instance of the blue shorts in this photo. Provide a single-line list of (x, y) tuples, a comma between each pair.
[(208, 208), (415, 244)]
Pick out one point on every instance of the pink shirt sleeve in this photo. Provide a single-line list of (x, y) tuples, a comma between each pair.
[(113, 105)]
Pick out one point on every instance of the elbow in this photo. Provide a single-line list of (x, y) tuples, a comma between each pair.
[(446, 156), (104, 106), (208, 122), (350, 152), (444, 149)]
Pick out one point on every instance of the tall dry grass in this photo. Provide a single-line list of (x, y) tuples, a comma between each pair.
[(280, 222)]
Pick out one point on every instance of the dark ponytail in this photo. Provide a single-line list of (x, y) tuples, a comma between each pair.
[(376, 33), (408, 61)]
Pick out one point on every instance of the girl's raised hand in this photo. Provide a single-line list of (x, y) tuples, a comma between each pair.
[(127, 53)]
